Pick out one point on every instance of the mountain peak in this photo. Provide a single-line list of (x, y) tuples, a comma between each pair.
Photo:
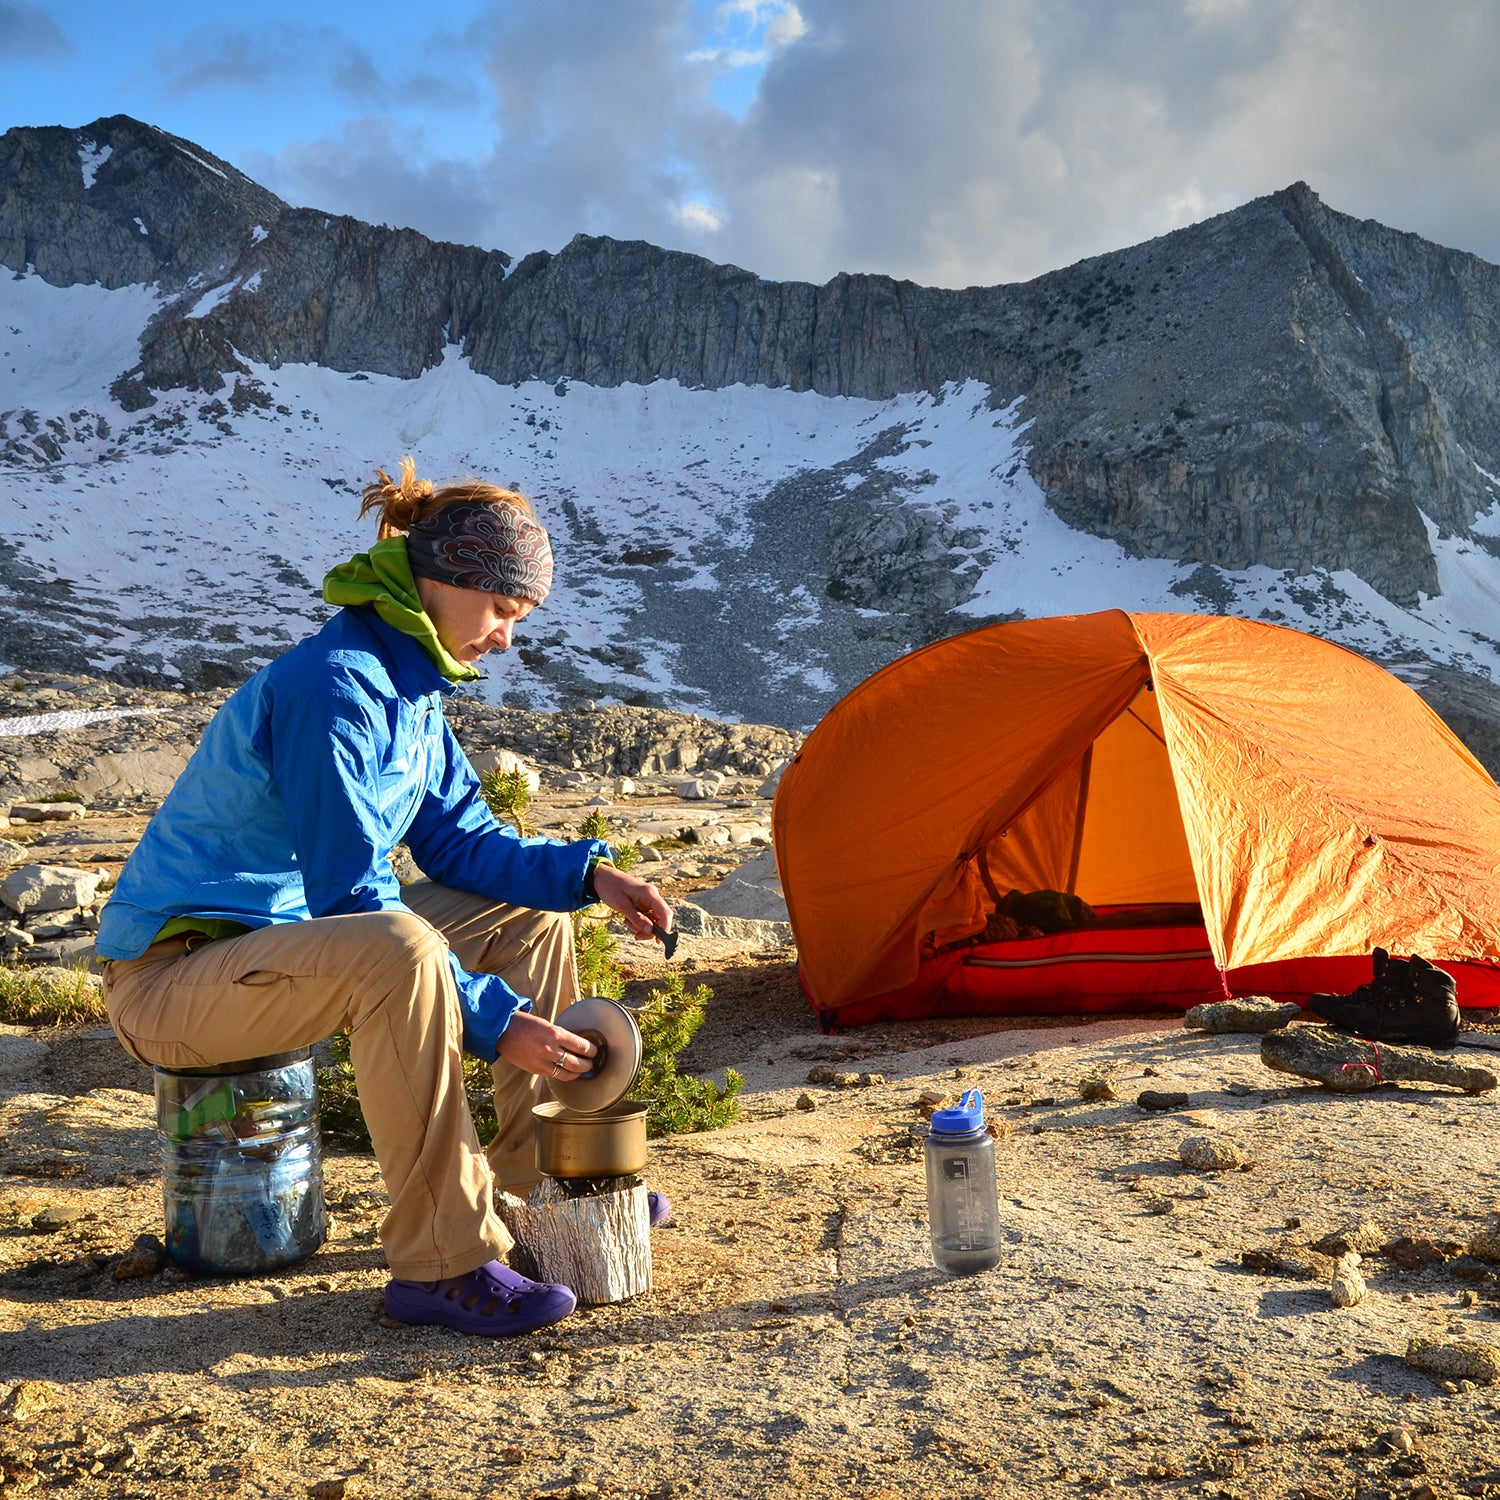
[(118, 202)]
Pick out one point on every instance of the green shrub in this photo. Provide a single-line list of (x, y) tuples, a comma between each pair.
[(507, 794), (37, 996), (479, 1088), (342, 1120), (668, 1021)]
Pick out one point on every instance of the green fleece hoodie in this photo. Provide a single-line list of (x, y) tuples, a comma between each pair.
[(382, 577)]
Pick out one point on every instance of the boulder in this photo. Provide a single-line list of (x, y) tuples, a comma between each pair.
[(63, 952), (139, 773), (704, 833), (753, 891), (1348, 1288), (1455, 1358), (1252, 1014), (21, 1053), (39, 888), (693, 921), (37, 771), (767, 788), (47, 812), (1205, 1154)]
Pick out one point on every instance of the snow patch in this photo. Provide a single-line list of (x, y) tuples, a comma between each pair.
[(217, 296), (72, 718), (62, 347), (91, 157), (214, 297), (207, 166), (259, 233), (139, 225)]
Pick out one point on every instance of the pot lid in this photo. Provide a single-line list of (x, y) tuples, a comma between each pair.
[(612, 1029)]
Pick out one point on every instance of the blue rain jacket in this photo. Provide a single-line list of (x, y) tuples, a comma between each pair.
[(303, 783)]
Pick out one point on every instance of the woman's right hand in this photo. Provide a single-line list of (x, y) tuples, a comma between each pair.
[(537, 1046)]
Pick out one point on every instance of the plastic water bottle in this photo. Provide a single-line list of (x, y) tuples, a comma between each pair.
[(962, 1207), (242, 1164)]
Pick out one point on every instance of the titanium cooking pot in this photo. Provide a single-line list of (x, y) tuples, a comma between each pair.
[(605, 1143)]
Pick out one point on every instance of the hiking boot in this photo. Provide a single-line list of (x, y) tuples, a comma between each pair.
[(1389, 983), (1407, 1001)]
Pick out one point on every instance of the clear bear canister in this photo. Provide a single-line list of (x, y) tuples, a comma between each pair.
[(242, 1164)]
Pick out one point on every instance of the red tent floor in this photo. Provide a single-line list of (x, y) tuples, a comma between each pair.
[(1117, 969)]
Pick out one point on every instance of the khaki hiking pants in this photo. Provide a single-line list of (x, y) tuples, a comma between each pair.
[(384, 976)]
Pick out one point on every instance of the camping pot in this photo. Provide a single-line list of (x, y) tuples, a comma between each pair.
[(606, 1143)]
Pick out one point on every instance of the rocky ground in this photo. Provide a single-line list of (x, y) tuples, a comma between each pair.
[(1154, 1326)]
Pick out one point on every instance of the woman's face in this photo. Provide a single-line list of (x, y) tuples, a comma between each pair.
[(469, 622)]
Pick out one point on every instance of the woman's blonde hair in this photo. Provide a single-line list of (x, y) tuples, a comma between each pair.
[(403, 503)]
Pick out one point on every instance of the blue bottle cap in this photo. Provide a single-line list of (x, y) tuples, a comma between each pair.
[(966, 1119)]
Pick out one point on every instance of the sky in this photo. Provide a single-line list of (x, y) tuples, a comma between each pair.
[(950, 142)]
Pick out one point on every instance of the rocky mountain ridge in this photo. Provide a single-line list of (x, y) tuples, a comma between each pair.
[(1280, 385)]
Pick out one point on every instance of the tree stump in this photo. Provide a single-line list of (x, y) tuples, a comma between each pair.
[(1350, 1065), (597, 1242)]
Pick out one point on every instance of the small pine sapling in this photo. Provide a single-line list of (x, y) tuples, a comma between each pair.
[(507, 794), (595, 947), (594, 825), (668, 1021)]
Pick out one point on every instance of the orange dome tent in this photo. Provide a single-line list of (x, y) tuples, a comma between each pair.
[(1245, 807)]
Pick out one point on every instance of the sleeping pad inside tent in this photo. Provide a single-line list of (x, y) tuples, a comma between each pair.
[(1131, 812)]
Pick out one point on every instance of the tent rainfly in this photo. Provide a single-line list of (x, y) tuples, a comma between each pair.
[(1246, 808)]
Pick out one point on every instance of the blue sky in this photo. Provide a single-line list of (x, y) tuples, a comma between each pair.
[(948, 141), (297, 73)]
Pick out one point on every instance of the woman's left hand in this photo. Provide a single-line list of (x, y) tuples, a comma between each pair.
[(638, 901), (537, 1046)]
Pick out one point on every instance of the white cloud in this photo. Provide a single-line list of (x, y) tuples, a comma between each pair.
[(700, 217), (785, 27), (730, 57)]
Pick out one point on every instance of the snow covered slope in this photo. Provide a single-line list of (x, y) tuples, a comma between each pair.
[(746, 553)]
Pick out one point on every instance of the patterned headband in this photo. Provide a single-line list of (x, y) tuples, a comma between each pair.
[(475, 545)]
